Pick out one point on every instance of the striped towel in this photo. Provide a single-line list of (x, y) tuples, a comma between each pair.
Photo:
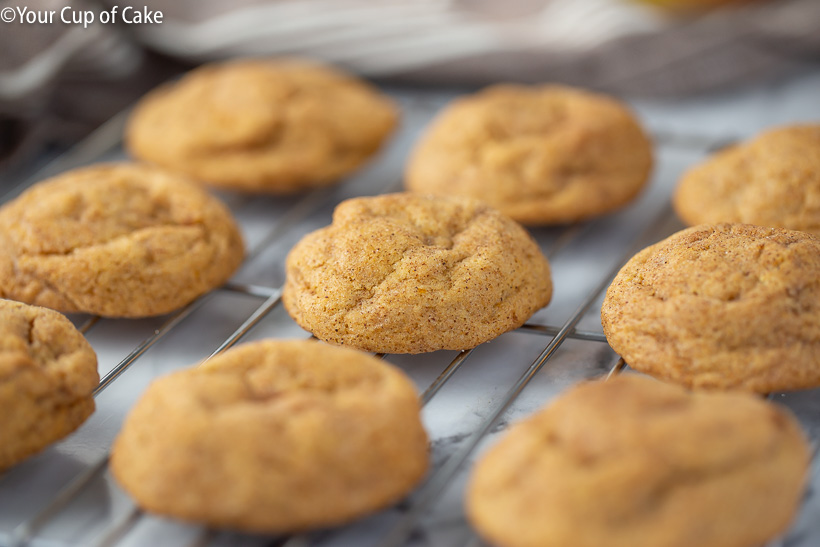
[(619, 46)]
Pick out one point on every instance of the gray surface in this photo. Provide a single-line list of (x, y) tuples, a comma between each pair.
[(100, 513)]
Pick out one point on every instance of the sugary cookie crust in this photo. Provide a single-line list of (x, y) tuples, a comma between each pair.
[(274, 126), (274, 436), (633, 462), (405, 273), (541, 155), (118, 240), (729, 306), (47, 374), (772, 180)]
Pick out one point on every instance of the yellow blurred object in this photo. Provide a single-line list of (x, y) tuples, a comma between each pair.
[(688, 6)]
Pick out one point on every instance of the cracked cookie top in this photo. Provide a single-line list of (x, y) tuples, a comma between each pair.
[(772, 180), (542, 155), (47, 375), (407, 273), (274, 436), (117, 240), (633, 462), (273, 126), (723, 306)]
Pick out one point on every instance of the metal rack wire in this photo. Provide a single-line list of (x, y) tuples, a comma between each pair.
[(400, 525)]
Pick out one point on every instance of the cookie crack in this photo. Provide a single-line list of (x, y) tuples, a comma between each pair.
[(678, 478), (799, 306), (61, 399), (206, 236), (43, 286), (296, 386), (17, 371), (474, 219), (255, 396), (500, 133), (450, 269), (371, 290), (30, 333)]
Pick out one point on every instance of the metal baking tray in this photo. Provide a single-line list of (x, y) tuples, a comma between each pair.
[(66, 496)]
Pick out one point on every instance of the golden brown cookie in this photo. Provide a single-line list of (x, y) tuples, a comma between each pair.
[(541, 155), (118, 240), (729, 306), (274, 126), (47, 375), (274, 436), (408, 273), (633, 462), (773, 180)]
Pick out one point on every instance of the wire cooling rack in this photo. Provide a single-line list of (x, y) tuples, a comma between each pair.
[(66, 496)]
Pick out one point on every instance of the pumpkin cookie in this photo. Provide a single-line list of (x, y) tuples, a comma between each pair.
[(407, 273), (541, 155), (633, 462), (118, 240), (273, 126), (729, 306), (773, 180), (47, 375), (274, 436)]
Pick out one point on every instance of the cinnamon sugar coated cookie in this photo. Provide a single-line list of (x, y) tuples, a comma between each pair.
[(47, 375), (633, 462), (541, 154), (274, 436), (772, 180), (727, 306), (407, 273), (273, 126), (117, 240)]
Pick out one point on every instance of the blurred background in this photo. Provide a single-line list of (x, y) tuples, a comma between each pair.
[(59, 81)]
